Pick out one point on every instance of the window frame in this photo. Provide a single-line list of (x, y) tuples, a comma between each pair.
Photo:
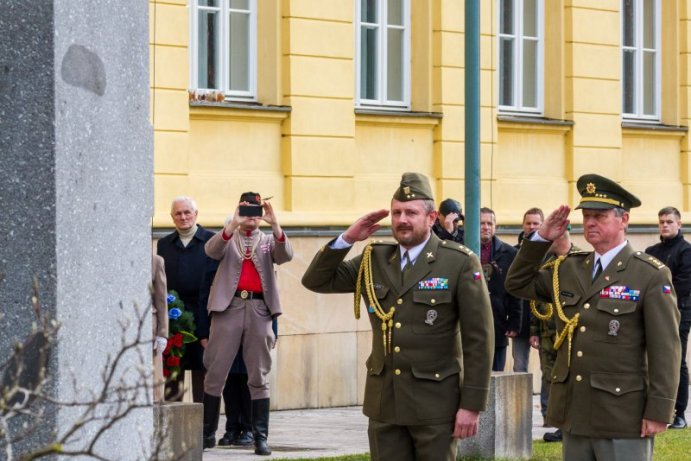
[(382, 55), (639, 70), (518, 70), (225, 11)]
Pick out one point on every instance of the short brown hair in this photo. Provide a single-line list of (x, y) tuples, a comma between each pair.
[(485, 210), (669, 210), (534, 210)]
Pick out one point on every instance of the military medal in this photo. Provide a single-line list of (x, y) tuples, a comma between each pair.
[(621, 292), (434, 283)]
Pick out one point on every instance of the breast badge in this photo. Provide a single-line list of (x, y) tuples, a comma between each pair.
[(613, 328), (431, 317)]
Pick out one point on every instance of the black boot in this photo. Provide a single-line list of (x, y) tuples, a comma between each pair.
[(212, 406), (229, 438), (260, 426)]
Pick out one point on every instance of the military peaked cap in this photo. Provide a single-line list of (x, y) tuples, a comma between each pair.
[(600, 193)]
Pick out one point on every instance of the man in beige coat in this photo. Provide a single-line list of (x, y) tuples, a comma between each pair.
[(432, 329), (242, 303), (159, 309), (615, 378)]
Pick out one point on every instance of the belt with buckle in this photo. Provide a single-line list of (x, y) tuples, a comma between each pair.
[(244, 294)]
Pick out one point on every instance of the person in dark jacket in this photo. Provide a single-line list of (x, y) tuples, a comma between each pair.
[(520, 339), (449, 224), (186, 263), (496, 257), (675, 252)]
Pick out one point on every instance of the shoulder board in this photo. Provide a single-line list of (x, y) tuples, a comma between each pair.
[(652, 260), (455, 246), (578, 253), (382, 242)]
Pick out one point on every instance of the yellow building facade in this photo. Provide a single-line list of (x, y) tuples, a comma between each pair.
[(337, 98)]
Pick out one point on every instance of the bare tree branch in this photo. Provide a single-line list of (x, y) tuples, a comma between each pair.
[(125, 387)]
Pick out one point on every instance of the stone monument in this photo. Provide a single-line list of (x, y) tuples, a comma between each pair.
[(76, 195)]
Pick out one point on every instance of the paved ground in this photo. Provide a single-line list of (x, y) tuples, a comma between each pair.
[(320, 433)]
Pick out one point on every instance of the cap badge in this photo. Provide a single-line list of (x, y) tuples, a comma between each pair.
[(590, 188), (406, 190)]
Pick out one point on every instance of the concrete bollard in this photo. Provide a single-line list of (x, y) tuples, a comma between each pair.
[(178, 431), (506, 427)]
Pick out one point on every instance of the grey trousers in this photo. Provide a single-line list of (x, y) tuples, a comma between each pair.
[(390, 442), (245, 322), (578, 448)]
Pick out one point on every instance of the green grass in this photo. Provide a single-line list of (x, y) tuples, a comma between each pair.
[(671, 445)]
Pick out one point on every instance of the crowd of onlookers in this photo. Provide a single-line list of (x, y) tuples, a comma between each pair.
[(227, 282)]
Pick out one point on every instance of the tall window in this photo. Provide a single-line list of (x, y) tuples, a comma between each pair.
[(521, 65), (383, 53), (641, 59), (223, 47)]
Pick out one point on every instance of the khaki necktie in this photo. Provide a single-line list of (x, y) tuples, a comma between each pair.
[(407, 264)]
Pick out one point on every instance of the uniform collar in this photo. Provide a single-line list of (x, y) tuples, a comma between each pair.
[(607, 258), (414, 252)]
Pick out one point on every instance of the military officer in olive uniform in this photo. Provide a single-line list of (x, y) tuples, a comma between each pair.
[(426, 383), (615, 378)]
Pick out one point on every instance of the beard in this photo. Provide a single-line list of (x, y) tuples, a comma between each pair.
[(408, 237)]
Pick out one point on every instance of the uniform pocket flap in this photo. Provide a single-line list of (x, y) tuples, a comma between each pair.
[(569, 299), (617, 383), (381, 291), (436, 371), (560, 373), (374, 365), (616, 306), (432, 297)]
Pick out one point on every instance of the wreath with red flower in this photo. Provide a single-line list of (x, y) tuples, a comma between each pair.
[(180, 332)]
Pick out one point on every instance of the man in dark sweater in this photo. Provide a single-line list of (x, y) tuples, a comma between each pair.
[(675, 252)]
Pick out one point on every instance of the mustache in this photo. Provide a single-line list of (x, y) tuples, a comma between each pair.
[(401, 227)]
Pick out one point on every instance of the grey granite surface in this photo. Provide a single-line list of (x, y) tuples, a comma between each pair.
[(76, 194)]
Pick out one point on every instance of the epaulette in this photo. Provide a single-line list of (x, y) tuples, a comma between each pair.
[(456, 246), (382, 242), (578, 253), (652, 260)]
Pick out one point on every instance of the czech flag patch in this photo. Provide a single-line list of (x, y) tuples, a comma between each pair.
[(476, 276), (666, 289)]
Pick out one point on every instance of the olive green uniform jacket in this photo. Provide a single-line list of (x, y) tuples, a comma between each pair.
[(623, 363), (432, 370)]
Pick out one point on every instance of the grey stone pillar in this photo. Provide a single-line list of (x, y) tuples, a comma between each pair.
[(506, 427), (76, 180)]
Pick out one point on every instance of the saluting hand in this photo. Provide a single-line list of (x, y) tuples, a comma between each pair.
[(364, 227), (555, 225)]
